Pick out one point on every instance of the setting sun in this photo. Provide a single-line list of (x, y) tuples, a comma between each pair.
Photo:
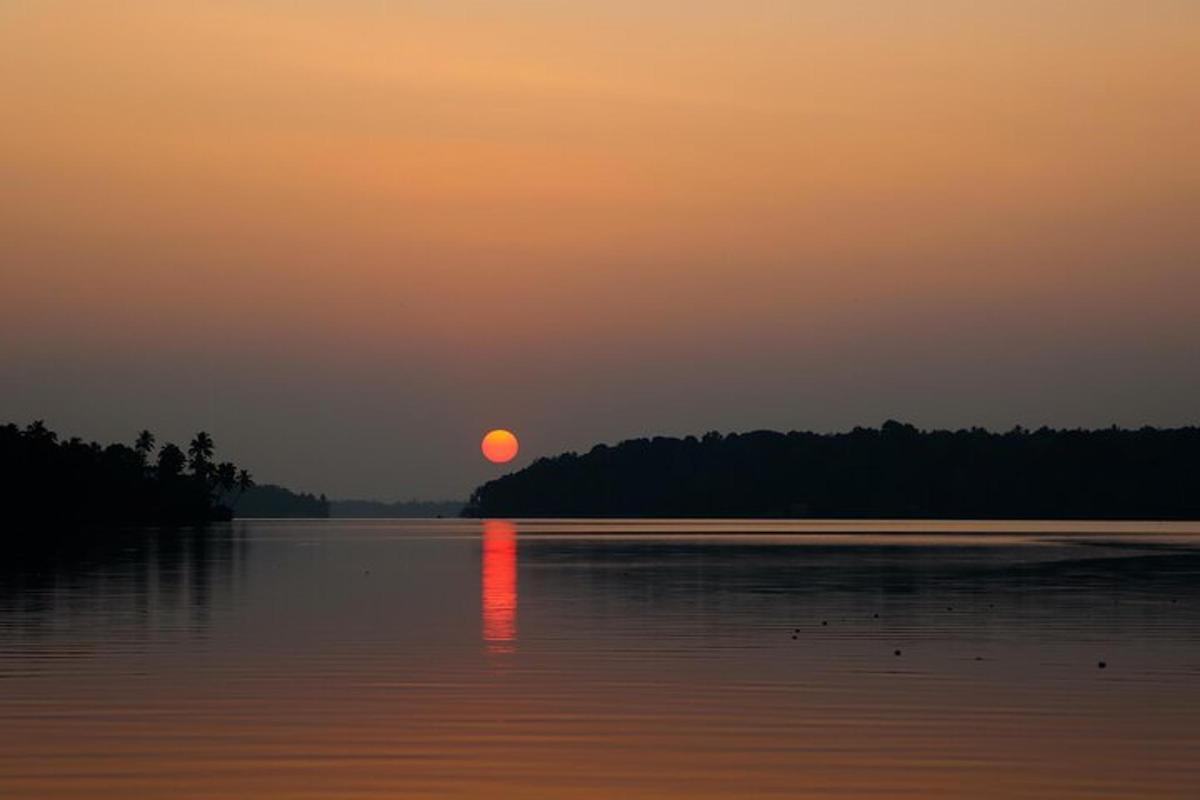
[(499, 446), (842, 332)]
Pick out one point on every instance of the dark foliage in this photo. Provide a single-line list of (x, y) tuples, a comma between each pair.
[(67, 483), (271, 501), (893, 472)]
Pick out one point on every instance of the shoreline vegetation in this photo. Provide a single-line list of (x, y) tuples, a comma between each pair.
[(71, 482), (269, 501), (68, 484), (895, 471)]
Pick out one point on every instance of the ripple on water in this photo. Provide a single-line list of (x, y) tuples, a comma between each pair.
[(602, 659)]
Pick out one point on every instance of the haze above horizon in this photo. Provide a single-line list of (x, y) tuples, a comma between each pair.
[(349, 238)]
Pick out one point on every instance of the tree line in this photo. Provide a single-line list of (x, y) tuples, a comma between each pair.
[(67, 482), (895, 471), (275, 502)]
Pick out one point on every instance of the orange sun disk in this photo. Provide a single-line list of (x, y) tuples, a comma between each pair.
[(499, 446)]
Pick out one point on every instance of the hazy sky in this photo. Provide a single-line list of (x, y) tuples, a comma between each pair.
[(349, 237)]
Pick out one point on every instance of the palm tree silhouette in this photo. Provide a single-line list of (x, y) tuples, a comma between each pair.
[(244, 482), (200, 453), (70, 481), (170, 462), (225, 476), (144, 445), (37, 431)]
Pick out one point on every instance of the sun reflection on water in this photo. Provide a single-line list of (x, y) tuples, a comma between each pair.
[(500, 586)]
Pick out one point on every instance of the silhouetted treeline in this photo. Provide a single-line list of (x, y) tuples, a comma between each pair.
[(269, 500), (402, 508), (64, 483), (896, 471)]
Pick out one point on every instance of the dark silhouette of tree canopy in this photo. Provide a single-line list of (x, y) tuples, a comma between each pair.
[(225, 476), (170, 462), (269, 500), (73, 482), (145, 444), (244, 482), (200, 453), (896, 471)]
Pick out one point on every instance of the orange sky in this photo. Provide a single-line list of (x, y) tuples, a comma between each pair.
[(331, 231)]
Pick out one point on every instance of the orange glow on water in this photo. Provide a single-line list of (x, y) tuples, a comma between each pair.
[(499, 585)]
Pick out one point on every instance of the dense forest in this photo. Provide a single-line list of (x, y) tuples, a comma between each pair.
[(270, 501), (896, 471), (51, 482)]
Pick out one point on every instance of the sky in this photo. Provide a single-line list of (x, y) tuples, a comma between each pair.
[(347, 238)]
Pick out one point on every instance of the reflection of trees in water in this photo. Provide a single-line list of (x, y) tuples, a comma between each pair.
[(735, 578), (137, 576)]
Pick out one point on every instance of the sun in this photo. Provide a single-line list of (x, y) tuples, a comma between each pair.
[(499, 446)]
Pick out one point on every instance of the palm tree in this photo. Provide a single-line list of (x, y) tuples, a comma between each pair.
[(144, 445), (244, 482), (226, 476), (170, 462), (37, 431), (200, 453)]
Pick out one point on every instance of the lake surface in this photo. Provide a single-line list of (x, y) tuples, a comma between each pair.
[(412, 659)]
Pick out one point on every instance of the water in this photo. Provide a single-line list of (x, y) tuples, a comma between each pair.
[(418, 659)]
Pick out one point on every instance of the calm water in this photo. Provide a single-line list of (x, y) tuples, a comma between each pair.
[(568, 660)]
